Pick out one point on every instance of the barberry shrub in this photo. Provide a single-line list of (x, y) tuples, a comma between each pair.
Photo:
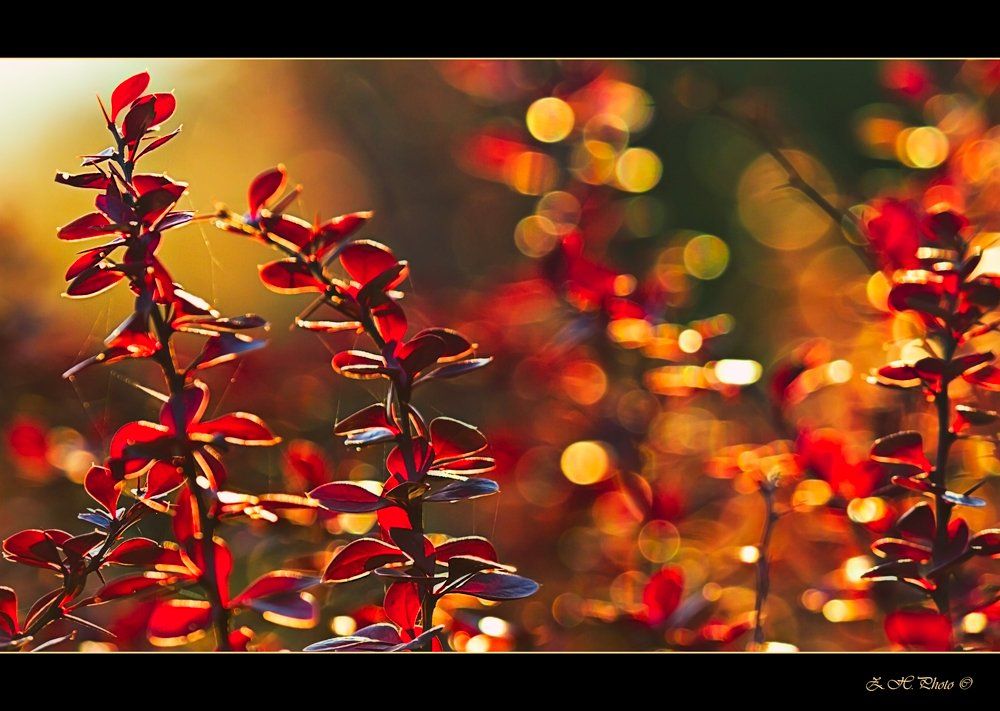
[(172, 466), (430, 462), (943, 282)]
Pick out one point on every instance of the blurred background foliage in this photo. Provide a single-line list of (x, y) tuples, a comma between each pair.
[(743, 270)]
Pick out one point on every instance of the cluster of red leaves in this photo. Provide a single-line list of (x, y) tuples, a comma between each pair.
[(938, 279), (430, 462), (173, 466)]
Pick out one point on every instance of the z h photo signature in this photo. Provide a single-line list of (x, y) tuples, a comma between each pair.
[(913, 682)]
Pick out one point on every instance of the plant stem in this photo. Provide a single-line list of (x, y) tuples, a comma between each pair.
[(401, 404), (795, 180), (763, 561), (942, 512), (72, 587), (207, 523)]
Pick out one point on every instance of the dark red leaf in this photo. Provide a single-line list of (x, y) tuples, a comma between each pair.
[(91, 225), (358, 558), (176, 622), (240, 428), (898, 548), (463, 490), (277, 582), (93, 281), (265, 186), (986, 542), (332, 232), (191, 403), (453, 439), (402, 604), (497, 585), (468, 546), (347, 497), (902, 448), (224, 348), (102, 487), (97, 181), (9, 626), (289, 276)]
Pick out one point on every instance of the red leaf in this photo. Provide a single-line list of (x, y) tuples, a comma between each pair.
[(131, 443), (987, 377), (453, 439), (127, 92), (662, 594), (364, 260), (402, 604), (128, 585), (923, 630), (224, 348), (359, 557), (161, 479), (495, 585), (371, 417), (455, 344), (289, 276), (277, 582), (467, 545), (297, 232), (902, 448), (185, 521), (420, 353), (264, 186), (97, 181), (93, 224), (298, 610), (191, 403), (156, 143), (237, 428), (898, 548), (390, 321), (347, 497), (359, 365), (332, 232), (93, 281), (986, 542), (176, 622), (34, 547), (9, 626), (102, 487), (146, 553)]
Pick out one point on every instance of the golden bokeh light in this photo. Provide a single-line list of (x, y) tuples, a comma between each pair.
[(689, 341), (923, 147), (550, 119), (706, 257), (638, 170), (659, 541), (866, 510), (535, 236), (586, 462)]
